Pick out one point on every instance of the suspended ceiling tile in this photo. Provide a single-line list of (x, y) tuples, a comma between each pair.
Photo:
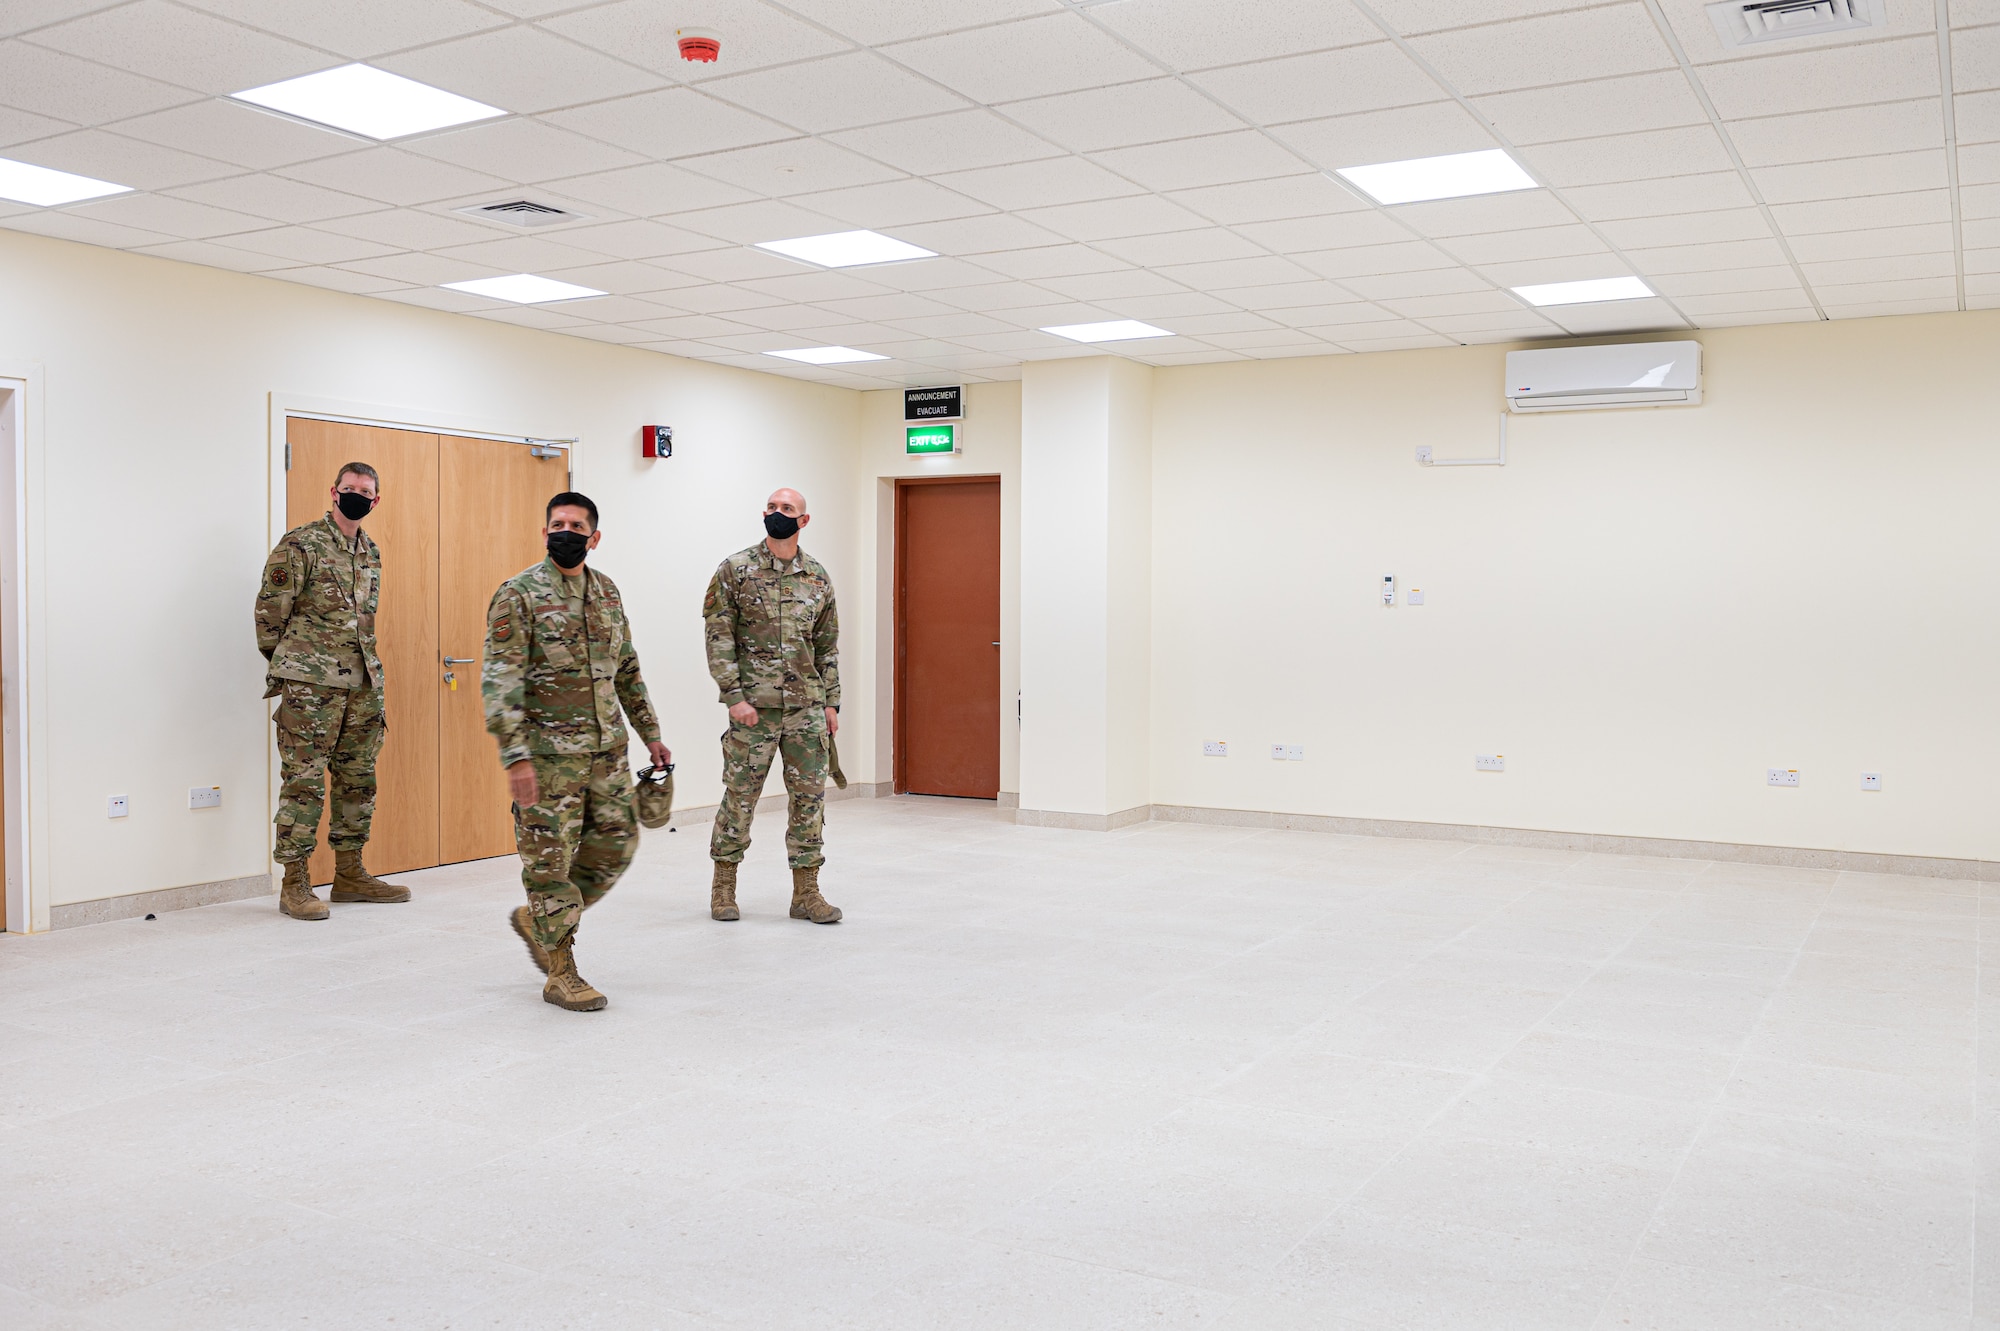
[(1978, 116), (1414, 342), (1867, 213), (1011, 342), (1852, 75), (1430, 282), (650, 189), (1703, 308), (1981, 233), (1686, 150), (1485, 213), (1193, 34), (1274, 298), (1713, 256), (941, 279), (26, 15), (638, 239), (520, 254), (1885, 268), (391, 175), (612, 333), (1039, 184), (215, 256), (280, 199), (1131, 113), (1975, 59), (434, 298), (18, 126), (1218, 159), (1103, 219), (1305, 235), (1857, 131), (813, 287), (838, 92), (1130, 284), (78, 91), (1197, 246), (170, 216), (1770, 277), (624, 278), (337, 279), (357, 29), (521, 149), (1053, 261), (1309, 87), (1517, 324), (1654, 198), (521, 69), (961, 140), (796, 166), (1632, 104), (722, 298), (423, 269), (1403, 256), (1547, 242), (1236, 273), (1154, 308), (1688, 228), (754, 36), (64, 224), (307, 246), (1386, 136), (888, 307), (891, 205), (991, 234), (103, 155), (1307, 194), (1797, 314), (1576, 268), (1026, 58), (182, 46), (1889, 308), (698, 326), (956, 324), (1614, 316), (1980, 200), (1288, 339), (804, 320), (1321, 316), (1552, 48), (1928, 238), (1898, 173), (232, 132), (1415, 16), (673, 122), (1979, 163), (548, 317), (763, 219), (876, 21)]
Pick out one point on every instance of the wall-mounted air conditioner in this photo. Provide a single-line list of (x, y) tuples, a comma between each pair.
[(1636, 374)]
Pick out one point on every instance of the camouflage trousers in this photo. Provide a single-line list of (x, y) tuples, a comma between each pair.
[(325, 732), (577, 840), (799, 735)]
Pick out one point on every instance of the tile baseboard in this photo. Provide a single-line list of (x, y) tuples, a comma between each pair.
[(1081, 822), (1733, 852), (106, 909)]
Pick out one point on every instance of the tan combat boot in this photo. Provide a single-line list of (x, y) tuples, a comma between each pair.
[(295, 894), (807, 903), (524, 925), (351, 882), (565, 988), (722, 895)]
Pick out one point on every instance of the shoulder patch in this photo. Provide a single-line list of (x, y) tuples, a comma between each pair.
[(503, 627), (280, 575)]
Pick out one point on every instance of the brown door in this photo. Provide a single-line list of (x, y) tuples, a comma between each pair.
[(404, 525), (490, 525), (948, 637)]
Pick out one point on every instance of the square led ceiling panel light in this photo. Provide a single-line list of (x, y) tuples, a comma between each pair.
[(845, 249), (1114, 330), (22, 183), (826, 355), (523, 289), (1583, 293), (1455, 176), (367, 101)]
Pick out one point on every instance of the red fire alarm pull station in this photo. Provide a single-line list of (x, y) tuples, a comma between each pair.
[(657, 441)]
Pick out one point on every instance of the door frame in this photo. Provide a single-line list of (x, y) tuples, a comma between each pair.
[(282, 407), (897, 749), (23, 663)]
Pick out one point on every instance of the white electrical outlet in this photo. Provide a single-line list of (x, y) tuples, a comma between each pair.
[(1781, 776), (204, 797), (1489, 762), (116, 807), (1215, 748), (1871, 780), (1415, 596)]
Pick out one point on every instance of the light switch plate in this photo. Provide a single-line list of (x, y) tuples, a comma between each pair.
[(204, 797), (1415, 596)]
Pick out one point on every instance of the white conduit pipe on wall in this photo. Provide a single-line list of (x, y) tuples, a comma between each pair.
[(1424, 454)]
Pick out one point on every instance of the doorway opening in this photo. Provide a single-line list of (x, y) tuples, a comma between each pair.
[(947, 699), (17, 909), (459, 515)]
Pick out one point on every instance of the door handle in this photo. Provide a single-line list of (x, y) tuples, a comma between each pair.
[(996, 644), (468, 660)]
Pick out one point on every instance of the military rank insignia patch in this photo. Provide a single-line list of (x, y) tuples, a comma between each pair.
[(280, 576), (503, 628)]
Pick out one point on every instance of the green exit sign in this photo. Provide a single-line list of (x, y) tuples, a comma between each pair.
[(930, 439)]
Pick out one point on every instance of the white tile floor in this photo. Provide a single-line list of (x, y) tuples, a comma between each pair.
[(1171, 1076)]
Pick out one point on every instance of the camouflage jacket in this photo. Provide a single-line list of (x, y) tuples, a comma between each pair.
[(554, 681), (773, 633), (316, 608)]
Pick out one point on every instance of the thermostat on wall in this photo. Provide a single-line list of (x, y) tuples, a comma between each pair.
[(657, 441)]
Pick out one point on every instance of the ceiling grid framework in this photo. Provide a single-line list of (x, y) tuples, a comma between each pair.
[(1070, 163)]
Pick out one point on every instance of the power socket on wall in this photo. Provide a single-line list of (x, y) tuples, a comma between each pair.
[(1489, 762), (1781, 776), (1215, 748), (204, 797), (1288, 753)]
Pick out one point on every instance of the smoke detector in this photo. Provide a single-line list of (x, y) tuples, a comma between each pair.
[(522, 213), (699, 44), (1748, 22)]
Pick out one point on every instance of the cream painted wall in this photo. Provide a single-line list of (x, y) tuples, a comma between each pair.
[(157, 377), (989, 445), (1642, 612)]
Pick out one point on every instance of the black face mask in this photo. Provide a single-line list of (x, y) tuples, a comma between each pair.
[(781, 527), (568, 548), (354, 507)]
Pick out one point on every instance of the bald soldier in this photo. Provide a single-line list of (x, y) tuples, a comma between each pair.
[(316, 629), (773, 648)]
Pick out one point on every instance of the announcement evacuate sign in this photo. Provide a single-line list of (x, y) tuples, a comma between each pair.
[(933, 404)]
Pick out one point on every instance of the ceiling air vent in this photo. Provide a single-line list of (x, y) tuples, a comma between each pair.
[(1747, 22), (522, 213)]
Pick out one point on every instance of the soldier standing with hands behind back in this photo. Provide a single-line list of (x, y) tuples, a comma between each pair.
[(773, 648), (316, 627), (559, 667)]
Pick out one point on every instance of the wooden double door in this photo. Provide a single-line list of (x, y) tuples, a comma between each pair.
[(458, 516), (948, 710)]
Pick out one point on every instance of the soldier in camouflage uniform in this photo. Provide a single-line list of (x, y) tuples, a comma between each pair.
[(559, 666), (773, 648), (316, 626)]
